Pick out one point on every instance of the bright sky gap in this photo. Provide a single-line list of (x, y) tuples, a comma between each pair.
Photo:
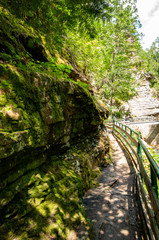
[(148, 11)]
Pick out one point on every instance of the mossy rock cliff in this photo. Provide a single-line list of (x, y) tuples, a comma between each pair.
[(51, 139)]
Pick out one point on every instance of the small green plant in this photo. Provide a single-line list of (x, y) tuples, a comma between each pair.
[(48, 68)]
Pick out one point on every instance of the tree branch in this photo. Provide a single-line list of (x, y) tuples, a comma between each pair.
[(105, 77)]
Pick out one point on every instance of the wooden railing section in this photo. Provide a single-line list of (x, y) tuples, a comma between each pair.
[(147, 178)]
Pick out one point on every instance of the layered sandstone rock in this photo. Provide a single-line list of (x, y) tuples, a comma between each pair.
[(144, 104)]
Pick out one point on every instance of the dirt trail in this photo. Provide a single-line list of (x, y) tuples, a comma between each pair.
[(112, 206)]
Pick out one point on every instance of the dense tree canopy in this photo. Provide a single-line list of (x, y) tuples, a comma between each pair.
[(110, 56), (100, 36), (52, 16), (151, 61)]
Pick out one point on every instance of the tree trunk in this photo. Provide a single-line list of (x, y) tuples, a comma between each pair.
[(103, 80)]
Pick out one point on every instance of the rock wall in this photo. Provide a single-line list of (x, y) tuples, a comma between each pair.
[(51, 137), (38, 111), (40, 184), (145, 107), (149, 132), (144, 104)]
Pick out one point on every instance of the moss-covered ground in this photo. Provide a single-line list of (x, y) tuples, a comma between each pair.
[(47, 202)]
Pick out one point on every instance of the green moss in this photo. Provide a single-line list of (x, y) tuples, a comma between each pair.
[(78, 126), (12, 29), (84, 85), (20, 96), (3, 100), (6, 57), (61, 209), (41, 194), (49, 196)]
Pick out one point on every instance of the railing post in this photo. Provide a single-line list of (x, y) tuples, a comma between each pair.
[(125, 134), (154, 181), (122, 126), (131, 136), (126, 130), (139, 153), (113, 125)]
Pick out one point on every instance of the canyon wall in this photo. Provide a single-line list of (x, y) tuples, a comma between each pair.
[(51, 138)]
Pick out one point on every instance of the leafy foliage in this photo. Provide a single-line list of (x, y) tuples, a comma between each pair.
[(99, 36), (109, 57), (150, 64), (53, 17)]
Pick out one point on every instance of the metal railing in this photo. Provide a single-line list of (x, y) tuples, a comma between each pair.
[(147, 176), (144, 119)]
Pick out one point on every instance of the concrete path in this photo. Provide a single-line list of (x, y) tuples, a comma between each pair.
[(112, 206)]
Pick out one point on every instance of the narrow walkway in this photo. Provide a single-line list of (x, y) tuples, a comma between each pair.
[(112, 207)]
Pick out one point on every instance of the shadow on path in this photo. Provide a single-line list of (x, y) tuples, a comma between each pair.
[(112, 206)]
